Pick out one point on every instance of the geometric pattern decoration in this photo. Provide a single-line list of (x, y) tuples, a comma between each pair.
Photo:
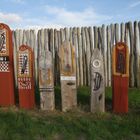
[(23, 67), (24, 83), (4, 50), (4, 66)]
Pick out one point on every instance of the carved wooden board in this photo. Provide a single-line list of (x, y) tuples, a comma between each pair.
[(120, 67), (25, 77), (46, 81), (68, 76), (97, 82), (6, 67)]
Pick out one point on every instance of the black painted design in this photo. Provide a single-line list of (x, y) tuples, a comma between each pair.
[(120, 63), (25, 59), (97, 78), (2, 41)]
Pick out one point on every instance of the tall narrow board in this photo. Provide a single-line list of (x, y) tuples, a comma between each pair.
[(46, 81), (120, 79), (6, 67), (97, 82), (68, 76), (25, 77)]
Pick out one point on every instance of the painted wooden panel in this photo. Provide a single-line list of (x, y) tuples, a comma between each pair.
[(120, 68), (68, 76), (6, 67), (25, 77), (97, 82)]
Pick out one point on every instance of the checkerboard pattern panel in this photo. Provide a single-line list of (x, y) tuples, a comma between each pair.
[(4, 66)]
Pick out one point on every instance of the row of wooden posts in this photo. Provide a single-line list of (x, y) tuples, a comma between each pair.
[(85, 39), (68, 75)]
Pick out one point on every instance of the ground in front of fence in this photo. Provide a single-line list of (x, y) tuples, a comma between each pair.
[(78, 124)]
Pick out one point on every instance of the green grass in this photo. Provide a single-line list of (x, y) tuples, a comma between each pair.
[(79, 124)]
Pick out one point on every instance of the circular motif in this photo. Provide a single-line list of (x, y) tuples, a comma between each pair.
[(96, 63)]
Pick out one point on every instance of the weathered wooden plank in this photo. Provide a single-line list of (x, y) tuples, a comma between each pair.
[(97, 82), (108, 55), (104, 44), (88, 54), (56, 61), (122, 32), (46, 81), (117, 37), (24, 40), (70, 36), (136, 54), (95, 37), (131, 66), (46, 39), (80, 56), (62, 35), (68, 76), (100, 39), (77, 54), (84, 56), (91, 38), (112, 28), (66, 30)]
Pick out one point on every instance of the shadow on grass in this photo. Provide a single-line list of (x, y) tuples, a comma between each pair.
[(57, 91)]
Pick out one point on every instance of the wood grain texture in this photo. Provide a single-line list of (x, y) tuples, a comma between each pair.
[(97, 82), (68, 71), (46, 81)]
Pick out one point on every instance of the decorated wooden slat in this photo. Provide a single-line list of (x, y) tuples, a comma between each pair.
[(68, 76), (25, 77), (97, 82), (120, 67), (46, 81), (6, 67)]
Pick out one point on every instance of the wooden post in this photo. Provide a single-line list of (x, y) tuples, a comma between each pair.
[(117, 37), (109, 55), (91, 38), (77, 54), (122, 32), (88, 55), (104, 43), (6, 67), (137, 54), (131, 66), (120, 67), (68, 76), (25, 77), (97, 82), (80, 56), (46, 81), (84, 57)]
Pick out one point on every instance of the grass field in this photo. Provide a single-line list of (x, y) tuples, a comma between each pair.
[(78, 124)]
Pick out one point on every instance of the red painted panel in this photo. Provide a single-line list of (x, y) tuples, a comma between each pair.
[(25, 77), (120, 79), (120, 94), (7, 97)]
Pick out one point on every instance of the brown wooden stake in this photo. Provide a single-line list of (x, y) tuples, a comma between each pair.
[(68, 76)]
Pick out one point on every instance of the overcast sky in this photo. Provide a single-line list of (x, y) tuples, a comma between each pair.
[(67, 13)]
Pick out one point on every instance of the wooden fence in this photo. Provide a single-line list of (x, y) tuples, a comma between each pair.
[(85, 39)]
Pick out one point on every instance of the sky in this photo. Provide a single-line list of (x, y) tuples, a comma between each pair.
[(30, 14)]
